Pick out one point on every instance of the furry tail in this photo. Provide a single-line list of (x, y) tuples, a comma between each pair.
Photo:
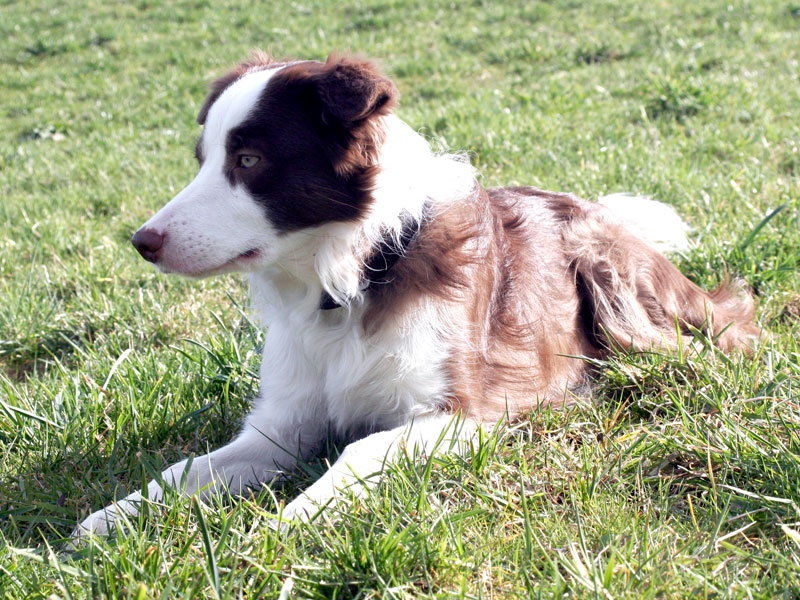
[(654, 222), (636, 297)]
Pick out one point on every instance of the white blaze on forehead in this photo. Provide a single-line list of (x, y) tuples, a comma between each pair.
[(233, 107)]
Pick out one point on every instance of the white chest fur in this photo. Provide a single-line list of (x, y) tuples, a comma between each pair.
[(325, 363)]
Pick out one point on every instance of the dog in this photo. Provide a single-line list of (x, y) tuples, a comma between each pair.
[(404, 304)]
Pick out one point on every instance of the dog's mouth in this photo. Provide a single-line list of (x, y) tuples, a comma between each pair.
[(240, 261), (252, 253), (243, 260)]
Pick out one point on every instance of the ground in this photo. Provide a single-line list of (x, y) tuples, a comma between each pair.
[(679, 476)]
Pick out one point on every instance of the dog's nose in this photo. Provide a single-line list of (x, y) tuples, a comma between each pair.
[(148, 242)]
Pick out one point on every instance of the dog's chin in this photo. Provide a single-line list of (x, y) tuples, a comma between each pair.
[(247, 262)]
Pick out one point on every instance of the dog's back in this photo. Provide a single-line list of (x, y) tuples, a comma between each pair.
[(525, 282)]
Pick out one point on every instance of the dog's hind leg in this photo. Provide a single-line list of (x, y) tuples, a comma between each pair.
[(362, 462), (635, 298)]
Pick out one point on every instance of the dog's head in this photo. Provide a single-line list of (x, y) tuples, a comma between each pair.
[(286, 147)]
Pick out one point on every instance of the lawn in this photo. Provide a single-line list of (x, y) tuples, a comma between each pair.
[(678, 476)]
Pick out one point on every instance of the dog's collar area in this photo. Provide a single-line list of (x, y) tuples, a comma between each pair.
[(382, 260)]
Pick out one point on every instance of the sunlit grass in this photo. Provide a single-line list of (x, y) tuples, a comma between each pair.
[(677, 477)]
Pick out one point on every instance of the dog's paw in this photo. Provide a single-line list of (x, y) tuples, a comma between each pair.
[(98, 523), (301, 509), (278, 525)]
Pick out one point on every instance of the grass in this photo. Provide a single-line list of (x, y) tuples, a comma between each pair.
[(680, 475)]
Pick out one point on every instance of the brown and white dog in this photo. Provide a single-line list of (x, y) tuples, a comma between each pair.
[(396, 291)]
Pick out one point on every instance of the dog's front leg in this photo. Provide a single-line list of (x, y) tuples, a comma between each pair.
[(362, 462), (253, 458)]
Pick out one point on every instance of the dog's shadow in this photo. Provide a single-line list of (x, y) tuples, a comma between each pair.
[(41, 505), (64, 475)]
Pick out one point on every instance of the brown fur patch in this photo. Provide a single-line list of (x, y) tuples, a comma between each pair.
[(525, 281), (329, 158), (639, 299), (351, 93)]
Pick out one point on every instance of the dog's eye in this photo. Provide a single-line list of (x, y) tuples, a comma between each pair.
[(247, 160)]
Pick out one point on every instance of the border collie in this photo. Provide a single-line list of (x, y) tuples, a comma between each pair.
[(404, 303)]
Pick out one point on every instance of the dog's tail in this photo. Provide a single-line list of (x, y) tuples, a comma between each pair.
[(654, 222), (636, 298)]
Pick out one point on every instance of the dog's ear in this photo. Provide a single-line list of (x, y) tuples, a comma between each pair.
[(351, 90)]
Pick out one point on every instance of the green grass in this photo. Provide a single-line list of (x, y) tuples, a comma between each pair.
[(679, 477)]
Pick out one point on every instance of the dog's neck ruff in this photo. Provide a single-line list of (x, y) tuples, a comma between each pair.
[(378, 265)]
